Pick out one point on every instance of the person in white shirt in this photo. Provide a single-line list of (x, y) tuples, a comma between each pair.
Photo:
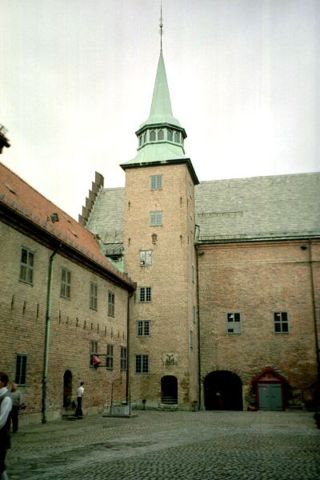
[(5, 409), (80, 392)]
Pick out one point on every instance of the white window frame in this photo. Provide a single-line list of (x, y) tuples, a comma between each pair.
[(233, 323)]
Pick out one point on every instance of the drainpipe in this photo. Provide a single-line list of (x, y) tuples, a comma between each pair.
[(47, 337), (128, 389), (198, 322), (314, 308)]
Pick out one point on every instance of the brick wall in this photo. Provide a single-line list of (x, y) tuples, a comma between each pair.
[(256, 280), (73, 326)]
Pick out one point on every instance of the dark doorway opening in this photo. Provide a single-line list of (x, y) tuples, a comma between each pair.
[(223, 391), (169, 390), (67, 389)]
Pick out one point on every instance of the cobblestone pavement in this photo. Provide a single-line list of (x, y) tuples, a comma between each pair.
[(170, 445)]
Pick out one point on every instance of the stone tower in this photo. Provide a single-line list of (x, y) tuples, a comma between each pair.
[(159, 252)]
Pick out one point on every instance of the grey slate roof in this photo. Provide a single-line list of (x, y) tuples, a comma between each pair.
[(257, 208), (106, 217), (284, 206)]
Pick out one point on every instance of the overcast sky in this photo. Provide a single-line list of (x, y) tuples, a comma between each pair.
[(76, 82)]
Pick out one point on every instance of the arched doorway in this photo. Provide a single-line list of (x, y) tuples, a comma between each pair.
[(169, 390), (223, 391), (67, 389)]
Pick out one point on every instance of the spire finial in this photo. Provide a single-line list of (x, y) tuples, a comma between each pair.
[(161, 26)]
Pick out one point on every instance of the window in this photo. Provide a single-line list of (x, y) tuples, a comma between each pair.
[(170, 135), (156, 218), (93, 350), (142, 364), (93, 296), (26, 266), (233, 325), (65, 286), (152, 136), (123, 359), (281, 322), (109, 358), (177, 137), (143, 328), (110, 304), (145, 294), (140, 140), (156, 182), (21, 369), (160, 134), (145, 258)]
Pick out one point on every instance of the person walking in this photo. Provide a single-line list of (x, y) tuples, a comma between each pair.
[(16, 405), (5, 409), (80, 392)]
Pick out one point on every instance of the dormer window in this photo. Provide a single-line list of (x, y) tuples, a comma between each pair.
[(160, 134), (152, 136)]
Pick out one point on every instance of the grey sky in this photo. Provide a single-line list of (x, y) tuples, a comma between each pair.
[(76, 82)]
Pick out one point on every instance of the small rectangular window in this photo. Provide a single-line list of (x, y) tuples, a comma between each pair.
[(281, 324), (110, 304), (233, 323), (123, 359), (65, 285), (156, 218), (143, 328), (93, 296), (156, 182), (142, 364), (26, 266), (145, 294), (21, 369), (109, 358), (145, 258)]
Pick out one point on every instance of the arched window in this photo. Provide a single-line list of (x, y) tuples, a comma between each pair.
[(140, 140), (177, 137), (170, 135), (160, 134), (144, 137), (152, 136)]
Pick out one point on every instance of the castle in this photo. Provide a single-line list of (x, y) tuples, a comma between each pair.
[(169, 292)]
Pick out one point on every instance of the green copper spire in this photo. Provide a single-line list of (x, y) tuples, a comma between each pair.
[(161, 111), (161, 136)]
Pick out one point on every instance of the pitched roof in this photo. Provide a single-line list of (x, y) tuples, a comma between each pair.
[(273, 207), (31, 206)]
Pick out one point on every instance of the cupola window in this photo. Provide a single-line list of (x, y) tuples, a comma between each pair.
[(140, 140), (144, 137), (160, 134), (170, 135), (152, 136), (177, 137)]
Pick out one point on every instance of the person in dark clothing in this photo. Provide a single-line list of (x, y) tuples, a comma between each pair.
[(5, 409)]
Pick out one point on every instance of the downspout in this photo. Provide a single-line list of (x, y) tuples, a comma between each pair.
[(198, 322), (314, 308), (128, 389), (47, 337)]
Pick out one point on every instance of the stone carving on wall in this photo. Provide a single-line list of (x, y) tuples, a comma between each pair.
[(169, 359)]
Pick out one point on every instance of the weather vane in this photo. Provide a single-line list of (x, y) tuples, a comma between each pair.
[(161, 26)]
